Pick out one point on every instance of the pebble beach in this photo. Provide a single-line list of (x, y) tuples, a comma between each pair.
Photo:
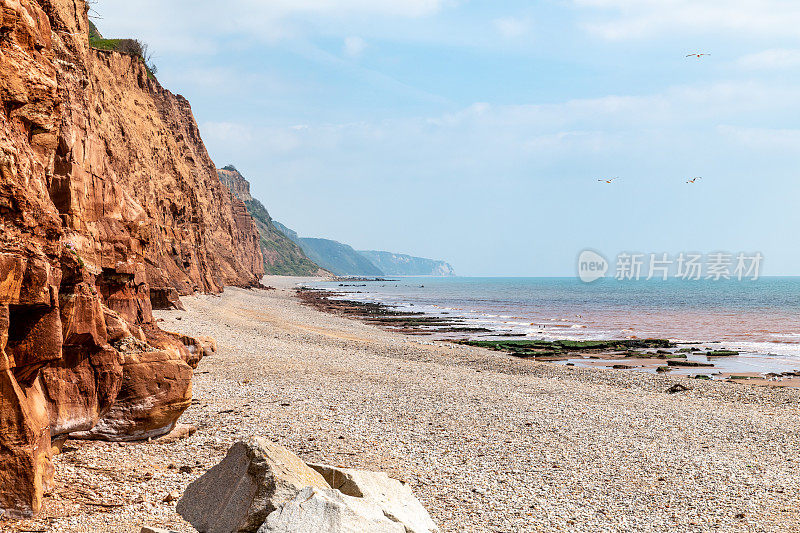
[(487, 442)]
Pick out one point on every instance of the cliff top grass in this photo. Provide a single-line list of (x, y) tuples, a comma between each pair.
[(132, 47), (94, 33), (112, 45)]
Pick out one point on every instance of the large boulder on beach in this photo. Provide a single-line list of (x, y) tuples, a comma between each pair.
[(394, 498), (256, 478), (263, 487), (330, 511)]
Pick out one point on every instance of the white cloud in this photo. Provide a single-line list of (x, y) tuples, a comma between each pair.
[(525, 161), (672, 108), (776, 58), (511, 28), (193, 25), (230, 136), (220, 80), (764, 138), (405, 8), (660, 129), (354, 46), (228, 132), (625, 19)]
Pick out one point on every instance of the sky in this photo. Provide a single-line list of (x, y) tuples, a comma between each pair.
[(476, 131)]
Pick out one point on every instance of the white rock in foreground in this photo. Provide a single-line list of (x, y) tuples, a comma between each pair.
[(263, 487), (393, 497), (329, 511), (236, 496)]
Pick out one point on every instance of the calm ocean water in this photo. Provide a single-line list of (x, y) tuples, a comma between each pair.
[(756, 317)]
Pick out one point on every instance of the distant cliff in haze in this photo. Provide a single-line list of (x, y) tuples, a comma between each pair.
[(282, 256), (343, 260), (406, 265), (333, 256)]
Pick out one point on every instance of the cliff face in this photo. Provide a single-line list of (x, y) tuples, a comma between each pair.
[(406, 265), (158, 193), (282, 256), (343, 260), (235, 182), (109, 204), (333, 256)]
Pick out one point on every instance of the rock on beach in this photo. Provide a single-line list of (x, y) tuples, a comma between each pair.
[(263, 487)]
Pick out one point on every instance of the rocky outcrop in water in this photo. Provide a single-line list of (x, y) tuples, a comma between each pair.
[(109, 204)]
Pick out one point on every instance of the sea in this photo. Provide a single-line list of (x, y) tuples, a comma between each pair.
[(759, 318)]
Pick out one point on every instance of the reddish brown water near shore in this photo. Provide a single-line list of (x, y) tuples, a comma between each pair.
[(760, 319)]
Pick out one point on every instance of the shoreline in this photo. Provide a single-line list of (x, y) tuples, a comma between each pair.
[(565, 308), (488, 442), (689, 359)]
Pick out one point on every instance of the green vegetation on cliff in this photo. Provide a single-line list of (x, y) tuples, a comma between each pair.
[(281, 255), (132, 47), (333, 256), (286, 253), (343, 260), (94, 33)]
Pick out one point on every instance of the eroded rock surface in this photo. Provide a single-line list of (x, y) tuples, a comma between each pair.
[(395, 499), (109, 203), (281, 254), (329, 511)]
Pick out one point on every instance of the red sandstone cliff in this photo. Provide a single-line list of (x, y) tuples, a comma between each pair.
[(235, 183), (107, 197)]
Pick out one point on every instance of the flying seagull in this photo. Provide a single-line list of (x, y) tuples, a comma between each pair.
[(697, 55), (608, 181), (693, 180)]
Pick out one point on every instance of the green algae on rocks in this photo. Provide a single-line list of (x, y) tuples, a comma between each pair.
[(527, 348)]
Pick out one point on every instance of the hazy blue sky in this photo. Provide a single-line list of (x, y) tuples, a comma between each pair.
[(475, 131)]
